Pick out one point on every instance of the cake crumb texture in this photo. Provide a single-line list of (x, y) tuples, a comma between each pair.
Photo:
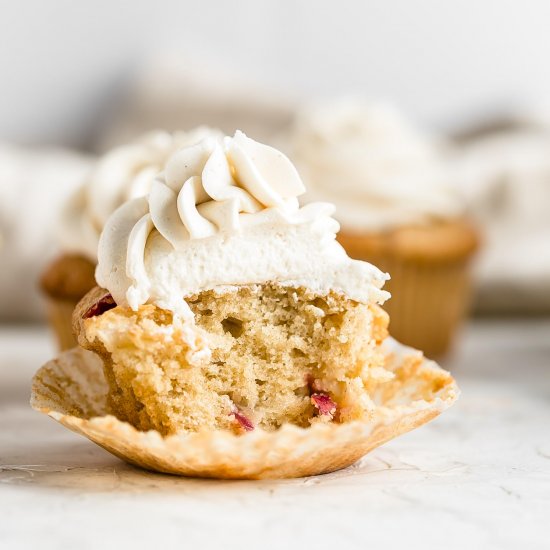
[(254, 357)]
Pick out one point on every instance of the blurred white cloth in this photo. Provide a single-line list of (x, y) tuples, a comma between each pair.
[(506, 177), (175, 92), (34, 183)]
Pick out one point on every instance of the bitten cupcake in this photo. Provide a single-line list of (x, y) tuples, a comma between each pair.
[(236, 337), (397, 210), (234, 306), (121, 174)]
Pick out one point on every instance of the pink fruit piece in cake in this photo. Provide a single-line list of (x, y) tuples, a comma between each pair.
[(323, 403), (243, 421), (101, 306)]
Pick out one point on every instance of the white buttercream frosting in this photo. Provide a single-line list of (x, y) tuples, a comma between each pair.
[(367, 160), (125, 172), (225, 212)]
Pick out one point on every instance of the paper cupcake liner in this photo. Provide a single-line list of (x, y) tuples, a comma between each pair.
[(72, 390), (429, 302), (60, 318)]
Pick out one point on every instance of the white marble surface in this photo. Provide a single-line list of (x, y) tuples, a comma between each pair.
[(477, 477)]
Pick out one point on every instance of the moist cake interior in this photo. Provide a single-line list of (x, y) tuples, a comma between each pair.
[(256, 356)]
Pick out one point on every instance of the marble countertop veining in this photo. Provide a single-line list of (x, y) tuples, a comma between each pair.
[(477, 477)]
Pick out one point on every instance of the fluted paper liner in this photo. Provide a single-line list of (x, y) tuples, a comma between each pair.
[(72, 390), (429, 302)]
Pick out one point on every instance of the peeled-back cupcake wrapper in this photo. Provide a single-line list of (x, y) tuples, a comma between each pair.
[(72, 390)]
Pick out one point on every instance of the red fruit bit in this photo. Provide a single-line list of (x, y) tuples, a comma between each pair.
[(244, 422), (101, 306), (324, 403)]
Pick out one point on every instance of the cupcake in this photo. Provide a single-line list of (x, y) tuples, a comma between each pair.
[(396, 208), (121, 174), (236, 337)]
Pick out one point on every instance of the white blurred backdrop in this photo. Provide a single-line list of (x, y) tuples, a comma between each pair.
[(83, 76), (62, 62)]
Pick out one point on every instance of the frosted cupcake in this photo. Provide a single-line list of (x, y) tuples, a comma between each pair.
[(236, 337), (233, 304), (396, 210), (121, 174)]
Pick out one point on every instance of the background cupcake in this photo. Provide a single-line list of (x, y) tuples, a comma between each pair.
[(123, 173), (396, 208)]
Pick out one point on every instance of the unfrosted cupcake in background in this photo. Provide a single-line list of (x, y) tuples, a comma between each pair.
[(125, 172), (396, 208)]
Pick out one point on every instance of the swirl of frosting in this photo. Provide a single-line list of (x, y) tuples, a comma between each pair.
[(368, 160), (225, 212), (125, 172)]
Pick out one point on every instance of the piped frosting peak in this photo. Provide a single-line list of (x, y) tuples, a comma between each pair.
[(225, 212)]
